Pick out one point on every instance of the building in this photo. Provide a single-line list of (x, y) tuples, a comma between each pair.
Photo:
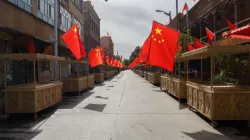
[(107, 43), (91, 26), (212, 14), (32, 21)]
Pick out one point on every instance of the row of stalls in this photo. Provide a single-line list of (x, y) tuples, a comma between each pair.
[(44, 80), (213, 80)]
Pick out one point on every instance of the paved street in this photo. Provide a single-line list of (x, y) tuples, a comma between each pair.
[(126, 107)]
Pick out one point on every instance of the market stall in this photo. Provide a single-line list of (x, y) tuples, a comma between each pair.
[(223, 101), (39, 90), (99, 74), (77, 80)]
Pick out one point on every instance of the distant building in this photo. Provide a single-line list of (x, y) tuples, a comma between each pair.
[(91, 26), (107, 43)]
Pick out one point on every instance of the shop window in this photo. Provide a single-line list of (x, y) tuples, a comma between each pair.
[(46, 10), (24, 4)]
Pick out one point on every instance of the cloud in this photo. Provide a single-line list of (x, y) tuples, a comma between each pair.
[(129, 21)]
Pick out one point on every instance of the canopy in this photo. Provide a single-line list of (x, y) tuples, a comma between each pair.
[(30, 57), (240, 33)]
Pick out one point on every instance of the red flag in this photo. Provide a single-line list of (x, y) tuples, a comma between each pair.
[(95, 58), (231, 25), (184, 9), (190, 47), (163, 46), (198, 44), (144, 51), (107, 60), (210, 36), (178, 49), (83, 53), (30, 47), (102, 52), (71, 39)]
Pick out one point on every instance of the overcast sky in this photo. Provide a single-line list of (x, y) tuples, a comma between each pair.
[(129, 21)]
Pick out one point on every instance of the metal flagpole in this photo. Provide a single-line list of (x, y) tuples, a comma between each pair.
[(177, 15), (55, 38)]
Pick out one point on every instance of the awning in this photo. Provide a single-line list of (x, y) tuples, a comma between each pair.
[(30, 57), (241, 33)]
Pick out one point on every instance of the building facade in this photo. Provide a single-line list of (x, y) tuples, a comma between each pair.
[(91, 26), (107, 43), (32, 21), (212, 14)]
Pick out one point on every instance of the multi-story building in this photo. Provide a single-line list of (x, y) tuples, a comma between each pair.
[(91, 26), (33, 21), (212, 14), (107, 43)]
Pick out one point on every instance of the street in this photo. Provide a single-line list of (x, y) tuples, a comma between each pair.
[(125, 107)]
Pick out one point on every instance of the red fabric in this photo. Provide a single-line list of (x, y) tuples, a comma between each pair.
[(184, 9), (240, 36), (102, 52), (163, 46), (243, 31), (190, 47), (231, 25), (210, 36), (30, 47), (95, 58), (82, 49), (107, 60), (144, 51), (198, 44), (135, 62), (71, 39)]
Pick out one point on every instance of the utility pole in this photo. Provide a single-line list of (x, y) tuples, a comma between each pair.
[(55, 38), (177, 15)]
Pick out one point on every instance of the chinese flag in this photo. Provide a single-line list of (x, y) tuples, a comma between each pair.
[(210, 36), (198, 44), (30, 47), (107, 60), (144, 51), (231, 25), (190, 47), (82, 49), (95, 58), (163, 46), (71, 39), (184, 9)]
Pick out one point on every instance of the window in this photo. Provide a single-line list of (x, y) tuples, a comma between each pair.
[(66, 20), (79, 25), (24, 4), (46, 10)]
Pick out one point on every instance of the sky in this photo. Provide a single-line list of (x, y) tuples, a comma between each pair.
[(129, 21)]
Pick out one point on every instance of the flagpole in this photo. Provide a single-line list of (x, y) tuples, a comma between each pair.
[(187, 18), (55, 37), (177, 15)]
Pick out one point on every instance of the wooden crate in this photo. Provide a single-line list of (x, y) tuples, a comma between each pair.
[(222, 102), (99, 77), (91, 81), (32, 98), (177, 87), (75, 84)]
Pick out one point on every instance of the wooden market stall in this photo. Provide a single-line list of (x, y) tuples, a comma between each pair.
[(77, 80), (154, 76), (108, 72), (219, 101), (39, 92)]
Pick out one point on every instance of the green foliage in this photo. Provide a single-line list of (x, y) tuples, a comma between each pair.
[(135, 53), (126, 62), (184, 39), (230, 67)]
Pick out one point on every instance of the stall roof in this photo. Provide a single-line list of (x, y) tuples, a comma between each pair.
[(243, 33), (220, 48), (30, 57), (78, 62)]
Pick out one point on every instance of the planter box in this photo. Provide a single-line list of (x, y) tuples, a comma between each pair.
[(91, 81), (155, 78), (75, 84), (145, 75), (225, 102), (164, 83), (99, 77), (176, 87), (32, 98)]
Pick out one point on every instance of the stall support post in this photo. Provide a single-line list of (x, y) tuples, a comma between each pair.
[(77, 69), (187, 70), (179, 74), (34, 68), (201, 70), (211, 73), (5, 73), (60, 69)]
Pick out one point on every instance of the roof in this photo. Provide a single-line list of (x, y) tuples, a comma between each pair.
[(30, 57)]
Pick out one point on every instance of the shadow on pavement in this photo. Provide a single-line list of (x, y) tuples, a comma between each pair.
[(206, 135), (71, 101), (26, 136), (99, 84), (100, 97), (95, 107), (182, 106), (158, 90)]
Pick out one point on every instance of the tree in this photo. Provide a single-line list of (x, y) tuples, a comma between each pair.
[(135, 53), (126, 62), (184, 39)]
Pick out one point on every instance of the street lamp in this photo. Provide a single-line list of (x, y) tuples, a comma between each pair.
[(168, 14)]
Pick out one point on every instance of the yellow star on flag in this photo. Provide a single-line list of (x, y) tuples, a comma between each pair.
[(158, 31), (75, 30)]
